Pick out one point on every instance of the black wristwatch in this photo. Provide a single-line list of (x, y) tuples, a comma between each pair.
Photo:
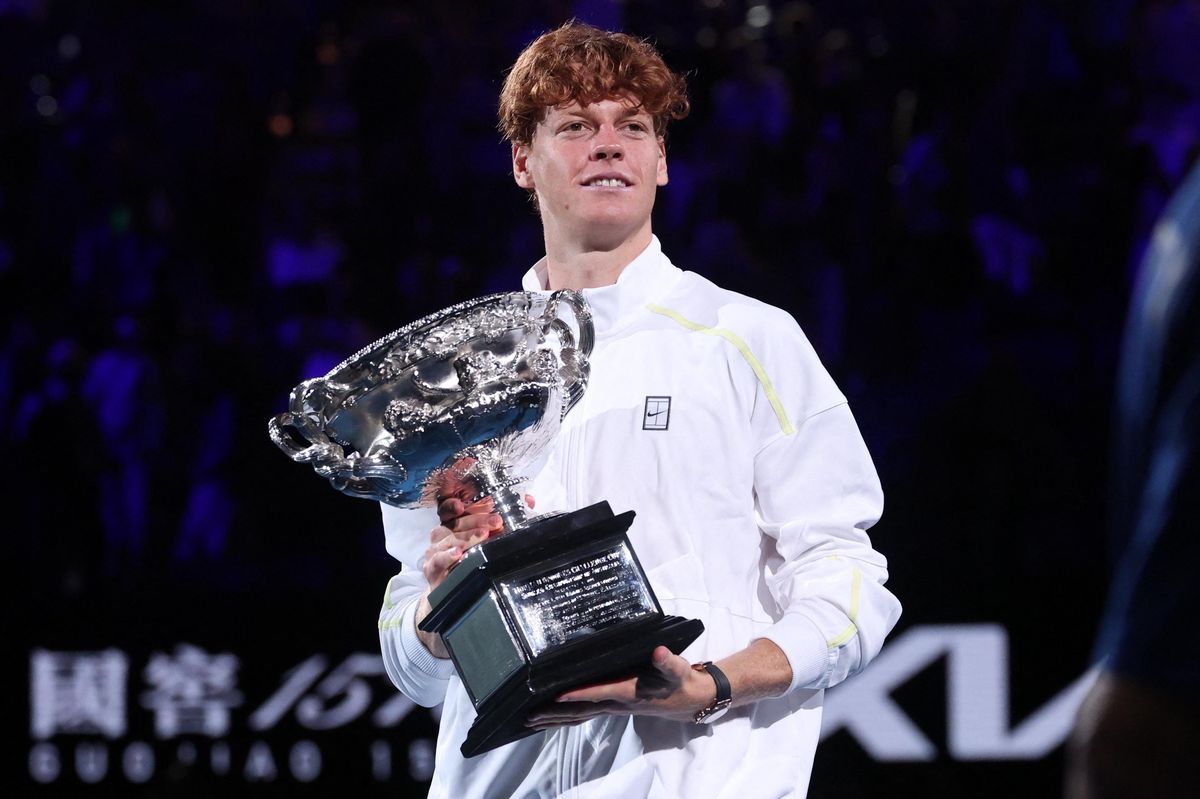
[(724, 699)]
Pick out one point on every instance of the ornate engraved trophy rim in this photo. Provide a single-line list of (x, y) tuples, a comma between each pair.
[(391, 339), (364, 403)]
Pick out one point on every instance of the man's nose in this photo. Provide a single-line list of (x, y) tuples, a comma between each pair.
[(608, 151)]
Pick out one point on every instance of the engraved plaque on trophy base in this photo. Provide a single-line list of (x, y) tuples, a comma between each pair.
[(560, 603)]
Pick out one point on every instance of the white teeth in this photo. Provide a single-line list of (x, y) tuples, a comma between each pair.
[(608, 182)]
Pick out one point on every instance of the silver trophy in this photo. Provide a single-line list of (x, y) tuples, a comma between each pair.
[(481, 388), (486, 383)]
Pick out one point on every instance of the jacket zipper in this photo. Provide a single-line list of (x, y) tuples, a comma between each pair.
[(570, 740), (575, 464)]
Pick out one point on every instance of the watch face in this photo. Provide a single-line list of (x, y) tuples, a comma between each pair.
[(711, 714)]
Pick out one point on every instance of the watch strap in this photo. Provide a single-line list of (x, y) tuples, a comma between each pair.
[(724, 696)]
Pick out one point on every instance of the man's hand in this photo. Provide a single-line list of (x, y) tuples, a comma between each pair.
[(669, 688), (462, 527), (672, 689)]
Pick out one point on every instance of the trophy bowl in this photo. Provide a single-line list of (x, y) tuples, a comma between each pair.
[(487, 381), (481, 388)]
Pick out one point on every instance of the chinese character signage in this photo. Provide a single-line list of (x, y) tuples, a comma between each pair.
[(185, 715)]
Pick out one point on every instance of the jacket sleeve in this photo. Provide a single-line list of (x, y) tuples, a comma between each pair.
[(816, 494), (411, 667)]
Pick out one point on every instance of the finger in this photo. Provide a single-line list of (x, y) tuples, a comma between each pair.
[(485, 505), (614, 691), (448, 542), (674, 667), (486, 509), (483, 519), (467, 535), (546, 726), (450, 509), (465, 539), (668, 663), (438, 564), (529, 500), (438, 534), (477, 522), (574, 713), (666, 674)]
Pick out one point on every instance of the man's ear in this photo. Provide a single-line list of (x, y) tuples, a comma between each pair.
[(520, 162), (661, 173)]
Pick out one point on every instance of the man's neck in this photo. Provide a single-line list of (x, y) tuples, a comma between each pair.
[(580, 265)]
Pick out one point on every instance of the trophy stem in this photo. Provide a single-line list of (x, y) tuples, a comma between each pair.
[(494, 482)]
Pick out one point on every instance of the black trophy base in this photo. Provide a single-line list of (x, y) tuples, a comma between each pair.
[(553, 606), (627, 653)]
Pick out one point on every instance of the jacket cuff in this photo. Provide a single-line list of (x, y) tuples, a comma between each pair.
[(807, 651), (415, 652)]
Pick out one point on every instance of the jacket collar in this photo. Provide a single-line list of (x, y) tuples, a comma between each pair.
[(646, 278)]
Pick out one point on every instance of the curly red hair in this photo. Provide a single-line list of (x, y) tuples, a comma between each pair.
[(581, 63)]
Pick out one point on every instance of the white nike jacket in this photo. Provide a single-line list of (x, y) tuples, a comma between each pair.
[(709, 414)]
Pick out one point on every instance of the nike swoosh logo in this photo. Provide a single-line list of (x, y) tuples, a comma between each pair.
[(656, 413)]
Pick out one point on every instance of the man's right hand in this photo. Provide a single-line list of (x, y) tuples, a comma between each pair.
[(462, 527)]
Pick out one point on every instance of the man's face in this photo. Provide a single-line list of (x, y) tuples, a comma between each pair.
[(595, 169)]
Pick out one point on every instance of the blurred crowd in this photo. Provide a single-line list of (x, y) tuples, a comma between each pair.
[(202, 204)]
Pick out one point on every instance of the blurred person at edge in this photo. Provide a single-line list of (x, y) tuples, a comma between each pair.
[(1138, 730), (753, 495)]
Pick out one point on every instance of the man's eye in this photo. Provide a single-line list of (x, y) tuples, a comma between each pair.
[(574, 127)]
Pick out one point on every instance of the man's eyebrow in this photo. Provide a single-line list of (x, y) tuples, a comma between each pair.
[(636, 112), (564, 113), (588, 109)]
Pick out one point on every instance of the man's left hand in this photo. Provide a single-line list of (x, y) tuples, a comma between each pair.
[(669, 688)]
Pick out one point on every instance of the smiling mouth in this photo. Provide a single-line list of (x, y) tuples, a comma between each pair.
[(607, 183)]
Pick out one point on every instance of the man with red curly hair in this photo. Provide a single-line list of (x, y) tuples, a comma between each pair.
[(708, 413)]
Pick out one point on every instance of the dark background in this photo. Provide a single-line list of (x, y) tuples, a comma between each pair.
[(203, 203)]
